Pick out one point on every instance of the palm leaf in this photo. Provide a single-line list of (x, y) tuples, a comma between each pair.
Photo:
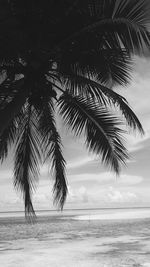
[(100, 128), (107, 65), (77, 84), (116, 99), (27, 157), (114, 21), (51, 143)]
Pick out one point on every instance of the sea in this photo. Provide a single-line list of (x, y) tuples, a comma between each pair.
[(76, 238)]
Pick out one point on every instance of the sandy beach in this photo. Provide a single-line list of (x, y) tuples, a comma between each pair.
[(91, 252), (64, 242)]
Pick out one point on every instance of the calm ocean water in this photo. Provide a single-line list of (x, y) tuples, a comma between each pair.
[(108, 237)]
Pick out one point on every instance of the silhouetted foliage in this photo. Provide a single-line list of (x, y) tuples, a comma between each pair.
[(69, 54)]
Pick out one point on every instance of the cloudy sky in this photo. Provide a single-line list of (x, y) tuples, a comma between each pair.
[(91, 184)]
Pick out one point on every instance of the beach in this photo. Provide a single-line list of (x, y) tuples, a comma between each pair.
[(105, 238)]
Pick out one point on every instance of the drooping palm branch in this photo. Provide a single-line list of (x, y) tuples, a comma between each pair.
[(87, 87), (69, 54), (51, 144), (103, 136), (27, 156)]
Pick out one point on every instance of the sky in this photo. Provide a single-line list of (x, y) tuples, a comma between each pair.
[(90, 184)]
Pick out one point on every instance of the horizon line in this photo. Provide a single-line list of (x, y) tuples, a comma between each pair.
[(104, 208)]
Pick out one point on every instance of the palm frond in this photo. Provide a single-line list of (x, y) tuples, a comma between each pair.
[(51, 143), (107, 65), (116, 23), (103, 135), (119, 101), (129, 24), (27, 157), (86, 87), (116, 68), (81, 85)]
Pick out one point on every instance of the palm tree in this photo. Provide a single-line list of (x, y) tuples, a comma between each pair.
[(65, 56)]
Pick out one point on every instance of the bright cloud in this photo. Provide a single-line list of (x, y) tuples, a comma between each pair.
[(118, 196), (80, 195), (129, 179), (102, 196)]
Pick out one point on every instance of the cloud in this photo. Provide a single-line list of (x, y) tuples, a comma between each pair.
[(70, 165), (129, 179), (9, 200), (102, 189), (80, 195), (117, 196), (100, 177), (101, 196), (135, 143), (80, 162), (83, 194), (106, 177)]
